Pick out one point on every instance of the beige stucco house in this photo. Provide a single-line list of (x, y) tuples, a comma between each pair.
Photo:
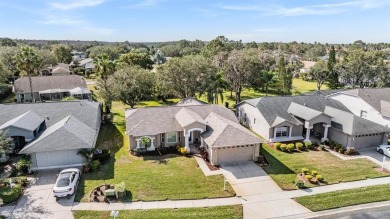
[(214, 127)]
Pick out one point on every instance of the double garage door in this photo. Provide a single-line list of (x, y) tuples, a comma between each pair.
[(368, 141), (235, 154), (58, 159)]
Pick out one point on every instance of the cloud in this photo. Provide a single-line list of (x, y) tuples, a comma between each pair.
[(74, 4), (319, 9), (61, 21)]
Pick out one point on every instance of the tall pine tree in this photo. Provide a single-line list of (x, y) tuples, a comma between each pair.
[(334, 76)]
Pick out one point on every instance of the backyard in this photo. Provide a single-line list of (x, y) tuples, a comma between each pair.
[(212, 212), (284, 167)]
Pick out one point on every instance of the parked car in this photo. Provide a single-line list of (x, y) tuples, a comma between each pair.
[(384, 149), (66, 183)]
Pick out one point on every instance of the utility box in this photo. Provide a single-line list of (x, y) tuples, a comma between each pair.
[(109, 192)]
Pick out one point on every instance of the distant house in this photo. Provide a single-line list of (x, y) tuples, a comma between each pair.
[(51, 88), (76, 55), (57, 70), (52, 133), (192, 124), (309, 118), (307, 65)]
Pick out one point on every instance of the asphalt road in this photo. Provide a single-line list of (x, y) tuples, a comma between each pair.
[(372, 213)]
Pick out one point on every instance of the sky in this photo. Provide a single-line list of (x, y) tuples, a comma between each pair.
[(332, 21)]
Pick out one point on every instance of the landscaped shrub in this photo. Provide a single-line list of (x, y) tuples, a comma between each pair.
[(314, 172), (94, 165), (10, 195), (5, 91), (350, 151), (321, 147), (299, 184), (300, 146), (291, 147), (308, 144), (332, 144), (23, 164), (341, 150), (182, 150), (277, 145), (102, 157), (283, 147), (309, 177), (320, 178), (305, 170)]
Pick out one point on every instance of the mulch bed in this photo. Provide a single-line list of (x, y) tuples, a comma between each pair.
[(97, 195), (211, 166)]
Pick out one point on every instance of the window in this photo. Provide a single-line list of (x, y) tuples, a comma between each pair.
[(363, 114), (179, 136), (254, 121), (162, 137), (281, 132), (337, 125), (172, 137), (244, 117)]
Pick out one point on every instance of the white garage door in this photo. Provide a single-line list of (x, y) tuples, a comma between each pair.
[(235, 154), (58, 159), (368, 141)]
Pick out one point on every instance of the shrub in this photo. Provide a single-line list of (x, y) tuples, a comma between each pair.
[(23, 164), (291, 147), (332, 144), (283, 147), (320, 178), (314, 172), (341, 150), (10, 195), (104, 156), (300, 146), (309, 177), (5, 91), (314, 143), (305, 170), (182, 150), (277, 145), (94, 165), (326, 142), (308, 144), (350, 151), (321, 147), (299, 184)]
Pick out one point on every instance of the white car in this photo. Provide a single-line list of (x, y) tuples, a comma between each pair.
[(384, 149), (66, 183)]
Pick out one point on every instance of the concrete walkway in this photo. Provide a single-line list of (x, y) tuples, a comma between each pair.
[(205, 169)]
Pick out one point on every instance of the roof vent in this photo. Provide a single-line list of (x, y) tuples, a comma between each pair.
[(47, 118), (304, 104)]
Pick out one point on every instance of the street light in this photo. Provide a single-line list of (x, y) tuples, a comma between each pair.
[(114, 214), (224, 182)]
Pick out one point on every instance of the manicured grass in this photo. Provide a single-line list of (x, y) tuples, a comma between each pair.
[(148, 178), (345, 198), (300, 86), (284, 167), (212, 212)]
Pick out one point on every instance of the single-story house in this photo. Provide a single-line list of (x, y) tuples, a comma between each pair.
[(52, 133), (213, 127), (307, 65), (369, 103), (309, 118), (51, 88), (57, 70)]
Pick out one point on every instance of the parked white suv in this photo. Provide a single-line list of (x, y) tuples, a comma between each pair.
[(66, 183), (384, 149)]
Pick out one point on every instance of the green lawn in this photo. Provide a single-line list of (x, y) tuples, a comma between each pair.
[(284, 167), (212, 212), (148, 178), (345, 198), (300, 86)]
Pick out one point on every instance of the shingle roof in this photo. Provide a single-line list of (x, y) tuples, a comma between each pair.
[(155, 120), (69, 133), (303, 112), (86, 111), (66, 82), (28, 121), (60, 70), (224, 132), (273, 107), (85, 61), (189, 101), (187, 117)]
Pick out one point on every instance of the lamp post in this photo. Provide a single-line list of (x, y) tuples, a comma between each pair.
[(114, 214), (383, 163), (224, 182)]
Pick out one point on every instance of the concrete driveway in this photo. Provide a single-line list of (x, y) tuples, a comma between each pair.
[(375, 157), (38, 200)]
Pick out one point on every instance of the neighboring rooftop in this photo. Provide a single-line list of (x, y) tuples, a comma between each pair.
[(27, 121), (65, 82), (189, 101)]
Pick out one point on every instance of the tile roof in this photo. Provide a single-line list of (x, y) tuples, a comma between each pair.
[(68, 133), (27, 121), (223, 132), (66, 82)]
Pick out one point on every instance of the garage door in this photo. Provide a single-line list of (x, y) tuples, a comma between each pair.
[(235, 154), (58, 159), (368, 141)]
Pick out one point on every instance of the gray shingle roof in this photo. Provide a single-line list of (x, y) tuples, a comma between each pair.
[(187, 117), (66, 82), (189, 101), (69, 133), (303, 111), (223, 132), (27, 121), (86, 111), (60, 70), (273, 107), (155, 120)]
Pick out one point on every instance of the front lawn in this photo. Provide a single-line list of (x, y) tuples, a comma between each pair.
[(212, 212), (345, 198), (150, 177), (284, 167)]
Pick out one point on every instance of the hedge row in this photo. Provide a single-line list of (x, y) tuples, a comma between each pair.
[(5, 91)]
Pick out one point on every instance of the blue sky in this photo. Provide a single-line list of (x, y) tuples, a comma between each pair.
[(333, 21)]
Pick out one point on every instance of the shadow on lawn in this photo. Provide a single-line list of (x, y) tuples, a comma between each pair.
[(109, 138), (275, 166)]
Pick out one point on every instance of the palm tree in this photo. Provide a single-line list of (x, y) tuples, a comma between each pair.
[(104, 67), (267, 78), (219, 84), (28, 61)]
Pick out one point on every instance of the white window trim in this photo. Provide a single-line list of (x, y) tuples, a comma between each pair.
[(281, 130), (363, 114), (168, 137)]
